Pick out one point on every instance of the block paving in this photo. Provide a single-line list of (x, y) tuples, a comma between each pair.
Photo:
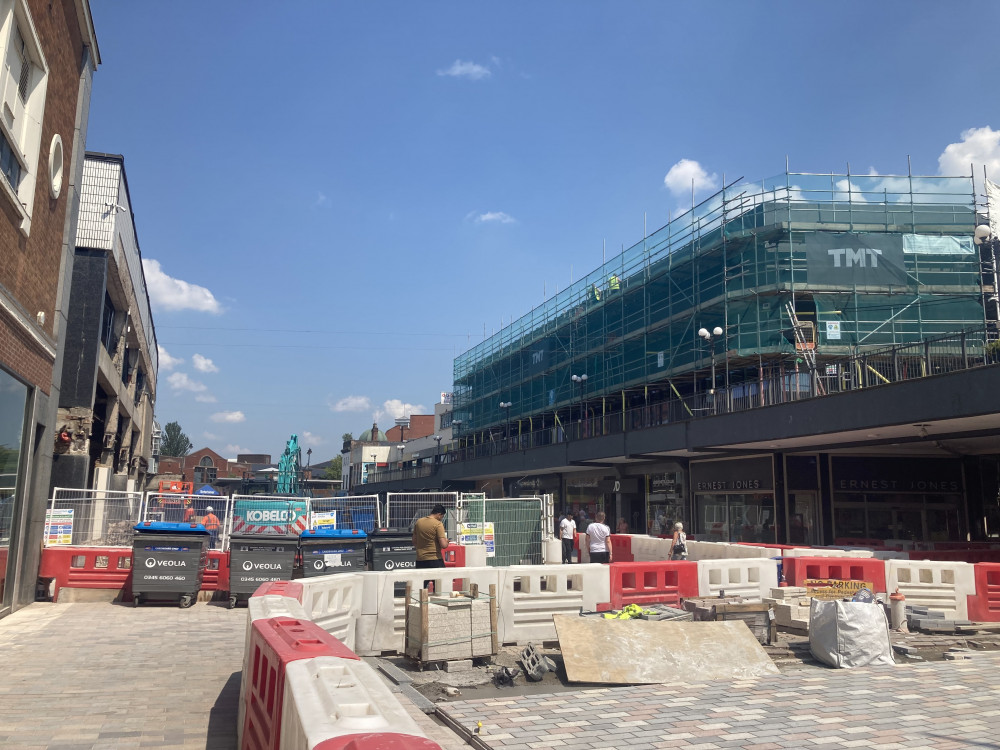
[(952, 704)]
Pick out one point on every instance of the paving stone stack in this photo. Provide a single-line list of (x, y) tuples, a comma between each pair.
[(449, 628), (791, 608), (932, 621)]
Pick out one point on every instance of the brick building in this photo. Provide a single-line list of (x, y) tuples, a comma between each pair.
[(49, 52)]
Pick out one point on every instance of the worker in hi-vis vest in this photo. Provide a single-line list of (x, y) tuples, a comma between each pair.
[(613, 284), (595, 293)]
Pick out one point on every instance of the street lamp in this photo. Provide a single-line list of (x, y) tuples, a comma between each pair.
[(505, 407), (309, 457), (437, 453), (401, 447), (580, 380), (711, 338), (374, 463)]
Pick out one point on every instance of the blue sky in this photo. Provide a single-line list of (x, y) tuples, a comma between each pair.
[(333, 199)]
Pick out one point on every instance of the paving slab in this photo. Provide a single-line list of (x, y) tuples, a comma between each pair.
[(939, 705)]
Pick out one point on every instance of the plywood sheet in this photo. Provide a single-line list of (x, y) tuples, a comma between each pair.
[(632, 652)]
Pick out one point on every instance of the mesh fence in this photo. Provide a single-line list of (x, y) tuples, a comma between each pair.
[(511, 528), (402, 509), (359, 512), (92, 518)]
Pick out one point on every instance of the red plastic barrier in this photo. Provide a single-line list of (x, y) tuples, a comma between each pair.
[(662, 582), (274, 643), (985, 605), (621, 548), (454, 556), (379, 741), (291, 589), (216, 575), (88, 568), (957, 555), (797, 569)]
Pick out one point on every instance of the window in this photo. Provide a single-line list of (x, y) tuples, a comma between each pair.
[(108, 337), (205, 472), (23, 80), (140, 384)]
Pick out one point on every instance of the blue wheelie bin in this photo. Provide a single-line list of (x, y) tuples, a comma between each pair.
[(327, 551)]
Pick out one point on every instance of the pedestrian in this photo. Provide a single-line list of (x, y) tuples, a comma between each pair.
[(212, 524), (597, 538), (678, 544), (567, 532), (430, 539), (622, 526)]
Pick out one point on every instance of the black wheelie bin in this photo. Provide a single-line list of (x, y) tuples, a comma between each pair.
[(255, 559), (328, 551), (168, 561)]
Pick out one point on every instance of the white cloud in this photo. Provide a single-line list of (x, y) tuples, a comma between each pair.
[(320, 200), (229, 417), (498, 216), (180, 381), (211, 436), (234, 450), (395, 409), (166, 361), (978, 147), (352, 403), (205, 398), (168, 293), (466, 69), (678, 179), (309, 439), (203, 364)]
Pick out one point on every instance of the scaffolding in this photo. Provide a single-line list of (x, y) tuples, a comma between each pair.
[(739, 260)]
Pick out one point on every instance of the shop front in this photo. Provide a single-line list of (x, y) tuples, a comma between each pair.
[(899, 499), (13, 402), (665, 502), (734, 500)]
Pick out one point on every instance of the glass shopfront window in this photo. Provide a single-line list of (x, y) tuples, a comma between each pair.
[(13, 397), (734, 500), (665, 503), (912, 500)]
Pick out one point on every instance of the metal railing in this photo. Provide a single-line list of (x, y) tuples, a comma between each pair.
[(361, 512), (778, 385), (402, 509), (92, 518)]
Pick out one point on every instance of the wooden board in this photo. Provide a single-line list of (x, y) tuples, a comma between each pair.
[(634, 652)]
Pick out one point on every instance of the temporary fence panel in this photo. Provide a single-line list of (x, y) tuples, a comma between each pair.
[(360, 512), (267, 515), (176, 507), (91, 518), (402, 509), (511, 528)]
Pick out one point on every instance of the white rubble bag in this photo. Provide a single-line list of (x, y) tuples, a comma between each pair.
[(849, 634)]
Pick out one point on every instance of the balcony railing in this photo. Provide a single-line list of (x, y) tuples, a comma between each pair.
[(871, 369)]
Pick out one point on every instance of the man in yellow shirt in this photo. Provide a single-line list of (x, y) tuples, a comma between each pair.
[(429, 538)]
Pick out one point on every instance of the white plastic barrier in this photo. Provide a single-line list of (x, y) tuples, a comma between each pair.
[(752, 578), (650, 548), (475, 555), (828, 552), (327, 697), (725, 551), (381, 626), (334, 603), (551, 551), (941, 586), (531, 594), (261, 608), (584, 545)]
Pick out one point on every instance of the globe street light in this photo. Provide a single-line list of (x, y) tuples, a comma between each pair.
[(437, 453), (580, 380), (401, 447), (711, 338), (505, 407)]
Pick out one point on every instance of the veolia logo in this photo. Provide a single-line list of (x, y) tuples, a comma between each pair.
[(392, 564), (319, 565), (249, 565), (152, 562)]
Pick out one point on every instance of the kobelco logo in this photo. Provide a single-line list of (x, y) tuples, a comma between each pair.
[(248, 565), (267, 515), (852, 257), (152, 562)]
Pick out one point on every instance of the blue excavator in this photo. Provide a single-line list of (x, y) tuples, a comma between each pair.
[(290, 469)]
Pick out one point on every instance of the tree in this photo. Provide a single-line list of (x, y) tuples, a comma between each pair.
[(347, 437), (334, 470), (175, 442)]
